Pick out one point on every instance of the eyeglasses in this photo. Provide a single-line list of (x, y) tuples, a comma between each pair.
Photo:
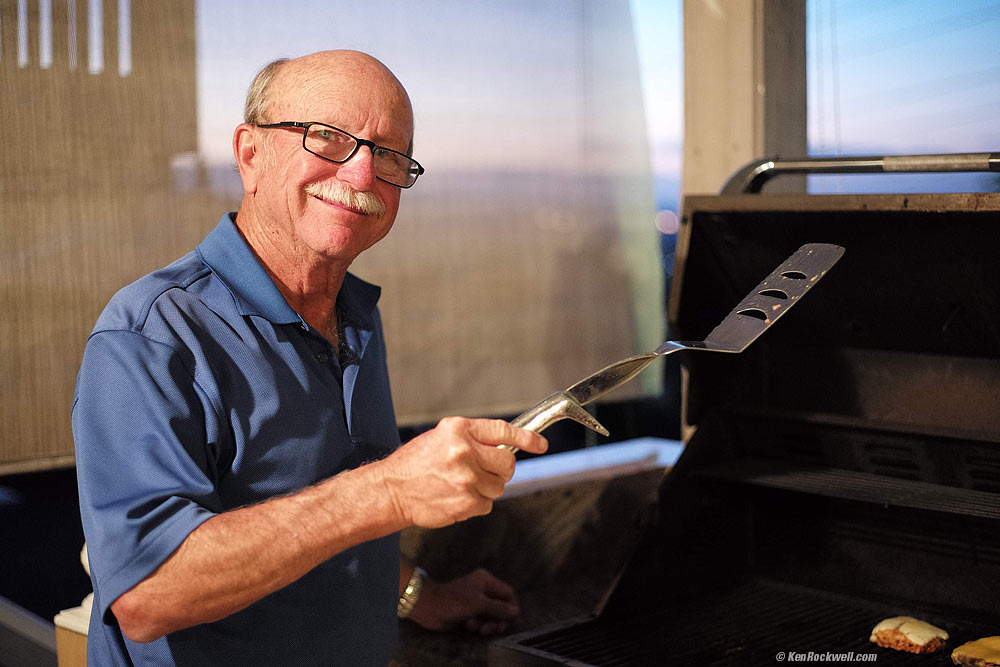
[(335, 145)]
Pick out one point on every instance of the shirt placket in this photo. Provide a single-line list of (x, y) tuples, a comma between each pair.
[(330, 367)]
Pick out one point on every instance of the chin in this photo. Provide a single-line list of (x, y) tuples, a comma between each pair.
[(339, 241)]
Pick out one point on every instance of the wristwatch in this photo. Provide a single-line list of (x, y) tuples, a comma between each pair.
[(410, 594)]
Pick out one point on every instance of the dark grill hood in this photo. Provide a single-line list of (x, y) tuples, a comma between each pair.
[(844, 469)]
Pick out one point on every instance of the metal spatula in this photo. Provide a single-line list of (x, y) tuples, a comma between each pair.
[(758, 310)]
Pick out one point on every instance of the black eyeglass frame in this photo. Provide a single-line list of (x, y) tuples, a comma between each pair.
[(358, 143)]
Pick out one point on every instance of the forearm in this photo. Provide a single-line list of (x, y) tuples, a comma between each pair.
[(238, 557), (232, 560)]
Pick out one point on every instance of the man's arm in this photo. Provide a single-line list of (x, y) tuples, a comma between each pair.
[(447, 474)]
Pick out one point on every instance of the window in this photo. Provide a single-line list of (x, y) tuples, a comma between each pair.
[(902, 78)]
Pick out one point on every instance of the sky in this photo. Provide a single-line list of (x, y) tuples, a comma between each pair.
[(465, 64), (660, 44), (903, 76), (886, 77)]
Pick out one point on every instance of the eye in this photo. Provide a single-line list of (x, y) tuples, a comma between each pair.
[(390, 157), (325, 134)]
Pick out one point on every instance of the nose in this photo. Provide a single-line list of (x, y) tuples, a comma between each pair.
[(359, 171)]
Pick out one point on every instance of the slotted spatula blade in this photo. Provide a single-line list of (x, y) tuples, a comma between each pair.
[(751, 317)]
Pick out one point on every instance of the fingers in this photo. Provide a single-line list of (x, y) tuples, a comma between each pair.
[(477, 601), (498, 608), (498, 432), (496, 599), (484, 435), (455, 470), (490, 486), (485, 627), (497, 589)]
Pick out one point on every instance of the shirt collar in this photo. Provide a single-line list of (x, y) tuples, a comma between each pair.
[(357, 300), (230, 257)]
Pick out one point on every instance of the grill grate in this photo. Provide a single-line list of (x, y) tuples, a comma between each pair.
[(857, 486), (982, 468), (748, 625)]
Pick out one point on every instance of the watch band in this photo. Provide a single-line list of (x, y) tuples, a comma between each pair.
[(410, 594)]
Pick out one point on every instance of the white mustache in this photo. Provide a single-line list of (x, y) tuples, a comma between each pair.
[(366, 202)]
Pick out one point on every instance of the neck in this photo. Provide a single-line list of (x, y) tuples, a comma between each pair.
[(309, 282)]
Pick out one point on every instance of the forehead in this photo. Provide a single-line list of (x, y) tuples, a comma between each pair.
[(364, 100)]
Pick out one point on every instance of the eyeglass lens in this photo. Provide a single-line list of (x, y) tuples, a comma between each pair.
[(335, 145)]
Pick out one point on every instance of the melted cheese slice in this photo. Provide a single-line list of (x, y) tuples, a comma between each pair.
[(916, 631), (987, 649)]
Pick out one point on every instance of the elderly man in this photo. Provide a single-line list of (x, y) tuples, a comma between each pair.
[(241, 480)]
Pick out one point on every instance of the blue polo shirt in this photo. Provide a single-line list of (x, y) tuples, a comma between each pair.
[(201, 391)]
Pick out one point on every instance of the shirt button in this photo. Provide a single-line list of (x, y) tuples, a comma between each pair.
[(323, 357)]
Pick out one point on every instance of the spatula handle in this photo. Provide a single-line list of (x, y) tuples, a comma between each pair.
[(551, 409)]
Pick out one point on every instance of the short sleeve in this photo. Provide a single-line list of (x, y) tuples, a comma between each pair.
[(146, 471)]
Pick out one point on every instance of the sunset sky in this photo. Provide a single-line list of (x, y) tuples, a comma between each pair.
[(895, 76)]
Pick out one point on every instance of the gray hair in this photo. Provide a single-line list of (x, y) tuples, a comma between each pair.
[(259, 95)]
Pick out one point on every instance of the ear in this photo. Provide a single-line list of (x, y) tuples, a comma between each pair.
[(248, 157)]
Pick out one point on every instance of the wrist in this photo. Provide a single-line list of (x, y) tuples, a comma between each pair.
[(390, 483)]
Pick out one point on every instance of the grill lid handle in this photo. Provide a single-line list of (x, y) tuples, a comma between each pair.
[(750, 178)]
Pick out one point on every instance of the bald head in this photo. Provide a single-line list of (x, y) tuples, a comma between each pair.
[(284, 86)]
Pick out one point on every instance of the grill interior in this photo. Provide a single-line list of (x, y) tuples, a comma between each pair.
[(845, 467), (858, 486), (748, 625), (857, 462)]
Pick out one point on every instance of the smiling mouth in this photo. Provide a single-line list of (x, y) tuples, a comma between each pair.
[(337, 204)]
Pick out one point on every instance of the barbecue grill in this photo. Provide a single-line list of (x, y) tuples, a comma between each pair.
[(843, 469)]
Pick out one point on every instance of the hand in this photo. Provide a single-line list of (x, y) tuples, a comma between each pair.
[(478, 602), (455, 470)]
